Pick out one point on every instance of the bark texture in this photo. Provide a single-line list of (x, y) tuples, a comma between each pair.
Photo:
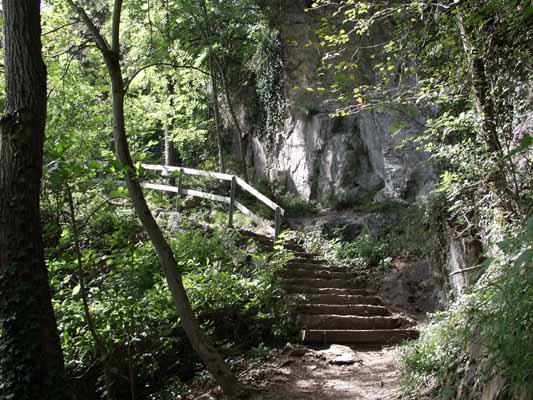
[(31, 361), (211, 358), (171, 155)]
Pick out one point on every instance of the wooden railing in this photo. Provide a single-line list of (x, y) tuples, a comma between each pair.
[(230, 200)]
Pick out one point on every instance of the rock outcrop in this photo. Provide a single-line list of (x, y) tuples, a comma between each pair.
[(346, 159)]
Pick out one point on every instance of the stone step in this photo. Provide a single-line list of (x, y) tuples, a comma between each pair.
[(324, 283), (267, 241), (304, 255), (333, 299), (268, 244), (381, 336), (298, 253), (295, 248), (245, 232), (292, 272), (349, 322), (307, 260), (306, 264), (313, 290), (347, 309)]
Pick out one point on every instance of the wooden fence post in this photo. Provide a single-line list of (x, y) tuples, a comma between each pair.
[(277, 226), (180, 182), (232, 201)]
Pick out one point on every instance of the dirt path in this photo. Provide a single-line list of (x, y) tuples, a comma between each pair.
[(330, 373)]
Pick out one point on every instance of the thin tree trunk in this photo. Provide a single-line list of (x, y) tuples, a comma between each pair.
[(170, 154), (504, 173), (214, 89), (216, 108), (171, 157), (242, 153), (31, 360), (480, 88), (208, 34), (211, 358), (101, 350)]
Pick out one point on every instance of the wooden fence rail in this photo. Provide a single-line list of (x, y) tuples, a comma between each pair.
[(230, 200)]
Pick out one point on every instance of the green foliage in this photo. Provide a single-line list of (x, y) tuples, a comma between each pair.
[(398, 237), (502, 311), (366, 251), (296, 207), (200, 248), (233, 292), (363, 250), (234, 295), (434, 359), (497, 313)]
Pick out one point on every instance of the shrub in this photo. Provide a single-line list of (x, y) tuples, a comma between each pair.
[(502, 311), (297, 207), (497, 313), (433, 360), (235, 296)]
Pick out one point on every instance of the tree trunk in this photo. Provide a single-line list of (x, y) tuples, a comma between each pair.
[(214, 89), (504, 173), (480, 89), (240, 143), (211, 358), (214, 60), (31, 361), (170, 154)]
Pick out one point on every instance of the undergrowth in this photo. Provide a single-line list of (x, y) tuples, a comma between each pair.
[(297, 207), (236, 297), (391, 231), (496, 314)]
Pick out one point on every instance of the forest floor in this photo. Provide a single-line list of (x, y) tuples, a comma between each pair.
[(327, 373)]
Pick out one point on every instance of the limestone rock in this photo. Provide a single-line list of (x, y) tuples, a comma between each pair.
[(413, 285), (335, 160), (340, 355), (295, 350)]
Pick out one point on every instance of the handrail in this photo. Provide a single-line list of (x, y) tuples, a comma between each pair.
[(190, 192), (260, 196), (187, 171), (226, 177), (233, 203)]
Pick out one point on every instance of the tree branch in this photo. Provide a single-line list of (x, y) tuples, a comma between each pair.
[(115, 29), (100, 41), (162, 64), (53, 30)]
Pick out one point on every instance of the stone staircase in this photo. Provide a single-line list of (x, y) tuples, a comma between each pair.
[(331, 305)]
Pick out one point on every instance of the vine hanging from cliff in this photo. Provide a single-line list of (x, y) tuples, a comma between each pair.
[(267, 66)]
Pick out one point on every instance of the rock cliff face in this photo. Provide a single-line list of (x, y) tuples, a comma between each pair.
[(335, 159)]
